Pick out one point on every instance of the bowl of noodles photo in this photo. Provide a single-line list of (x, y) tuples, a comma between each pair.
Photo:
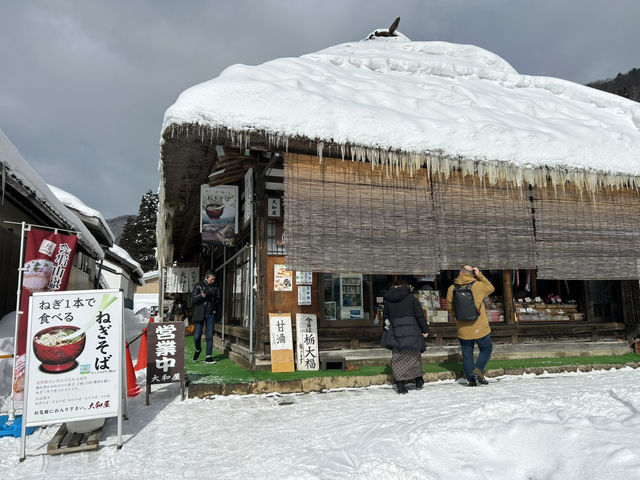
[(57, 352)]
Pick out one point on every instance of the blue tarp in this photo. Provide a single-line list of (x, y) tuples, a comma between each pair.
[(14, 429)]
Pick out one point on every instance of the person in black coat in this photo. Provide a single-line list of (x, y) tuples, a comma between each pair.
[(410, 329), (205, 298)]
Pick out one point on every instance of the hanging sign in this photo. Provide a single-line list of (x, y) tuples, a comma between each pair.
[(304, 295), (273, 207), (165, 352), (304, 278), (181, 279), (248, 195), (74, 356), (47, 264), (282, 279), (281, 342), (307, 341), (219, 214)]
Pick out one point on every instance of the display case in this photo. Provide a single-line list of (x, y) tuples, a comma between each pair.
[(351, 297)]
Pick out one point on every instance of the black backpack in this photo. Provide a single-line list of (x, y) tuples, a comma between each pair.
[(463, 303)]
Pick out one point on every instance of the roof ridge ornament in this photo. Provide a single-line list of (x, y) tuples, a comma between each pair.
[(386, 33)]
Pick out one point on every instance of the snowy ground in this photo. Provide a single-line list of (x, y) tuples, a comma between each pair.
[(566, 426)]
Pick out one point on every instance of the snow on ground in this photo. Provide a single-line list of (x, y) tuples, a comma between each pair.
[(567, 426)]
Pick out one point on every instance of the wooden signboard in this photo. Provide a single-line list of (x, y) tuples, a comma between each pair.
[(307, 341), (281, 342)]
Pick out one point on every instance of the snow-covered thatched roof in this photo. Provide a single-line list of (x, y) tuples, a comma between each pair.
[(91, 217), (435, 104), (18, 170)]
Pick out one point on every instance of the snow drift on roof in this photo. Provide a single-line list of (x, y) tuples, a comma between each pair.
[(124, 256), (18, 169), (74, 203), (422, 98)]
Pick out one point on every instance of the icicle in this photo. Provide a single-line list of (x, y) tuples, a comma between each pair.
[(320, 147)]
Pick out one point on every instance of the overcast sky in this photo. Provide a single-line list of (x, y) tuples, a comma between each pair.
[(84, 84)]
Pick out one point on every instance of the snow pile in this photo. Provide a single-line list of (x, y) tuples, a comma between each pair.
[(20, 171), (124, 256), (570, 427), (415, 104), (7, 332), (74, 203)]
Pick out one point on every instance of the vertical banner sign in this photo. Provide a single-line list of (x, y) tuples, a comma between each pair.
[(181, 279), (273, 207), (281, 342), (47, 265), (307, 341), (218, 214), (165, 352), (248, 195), (74, 356)]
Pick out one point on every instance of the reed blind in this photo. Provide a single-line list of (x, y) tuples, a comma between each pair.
[(486, 226), (586, 236), (344, 217)]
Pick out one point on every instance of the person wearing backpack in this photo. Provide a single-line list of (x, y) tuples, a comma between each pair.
[(465, 301), (410, 329)]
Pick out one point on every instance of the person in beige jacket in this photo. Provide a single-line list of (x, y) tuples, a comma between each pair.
[(477, 331)]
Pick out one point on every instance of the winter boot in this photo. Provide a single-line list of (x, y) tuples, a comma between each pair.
[(480, 376), (419, 382), (402, 388), (473, 381)]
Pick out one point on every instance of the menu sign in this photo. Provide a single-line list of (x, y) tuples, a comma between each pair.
[(74, 356), (281, 342), (165, 352), (218, 214), (307, 341), (282, 279)]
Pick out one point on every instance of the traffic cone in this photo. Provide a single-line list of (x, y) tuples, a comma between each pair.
[(132, 387), (142, 352), (152, 319)]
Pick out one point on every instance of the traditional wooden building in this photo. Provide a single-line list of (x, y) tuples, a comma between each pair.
[(383, 158)]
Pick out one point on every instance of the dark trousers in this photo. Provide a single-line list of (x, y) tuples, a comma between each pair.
[(209, 320), (484, 345)]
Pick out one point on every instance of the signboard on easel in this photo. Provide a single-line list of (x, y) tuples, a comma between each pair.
[(165, 355), (281, 342)]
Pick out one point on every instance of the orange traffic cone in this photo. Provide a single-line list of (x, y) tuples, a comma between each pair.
[(142, 353), (152, 319), (132, 387)]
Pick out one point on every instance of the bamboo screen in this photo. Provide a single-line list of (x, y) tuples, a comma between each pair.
[(587, 236), (478, 224), (344, 217)]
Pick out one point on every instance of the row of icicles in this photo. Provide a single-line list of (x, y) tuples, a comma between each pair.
[(438, 164)]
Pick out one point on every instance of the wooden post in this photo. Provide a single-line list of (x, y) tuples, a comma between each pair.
[(260, 212), (509, 308)]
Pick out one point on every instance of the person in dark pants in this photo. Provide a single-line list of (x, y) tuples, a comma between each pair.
[(477, 331), (410, 328), (205, 298)]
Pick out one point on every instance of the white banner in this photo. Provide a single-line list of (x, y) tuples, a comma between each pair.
[(74, 356), (307, 341), (181, 279), (280, 331), (219, 214)]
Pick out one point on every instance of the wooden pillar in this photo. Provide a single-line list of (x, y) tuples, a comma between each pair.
[(260, 211), (509, 308)]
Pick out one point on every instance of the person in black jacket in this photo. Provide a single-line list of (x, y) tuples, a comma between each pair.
[(205, 298), (410, 329)]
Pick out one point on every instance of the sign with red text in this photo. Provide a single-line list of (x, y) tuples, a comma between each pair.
[(165, 352), (74, 356)]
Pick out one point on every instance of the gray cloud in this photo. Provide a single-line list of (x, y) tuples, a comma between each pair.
[(84, 84)]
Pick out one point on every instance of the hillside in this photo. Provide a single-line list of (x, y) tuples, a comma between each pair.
[(624, 84), (116, 225)]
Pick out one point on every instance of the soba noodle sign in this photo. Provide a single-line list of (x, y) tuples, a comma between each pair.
[(74, 356)]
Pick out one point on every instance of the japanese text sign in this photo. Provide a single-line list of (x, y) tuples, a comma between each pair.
[(281, 342), (165, 352), (218, 214), (181, 279), (74, 356), (307, 342)]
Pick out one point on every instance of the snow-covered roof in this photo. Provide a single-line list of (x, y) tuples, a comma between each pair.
[(78, 206), (151, 275), (124, 257), (391, 100), (18, 169)]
